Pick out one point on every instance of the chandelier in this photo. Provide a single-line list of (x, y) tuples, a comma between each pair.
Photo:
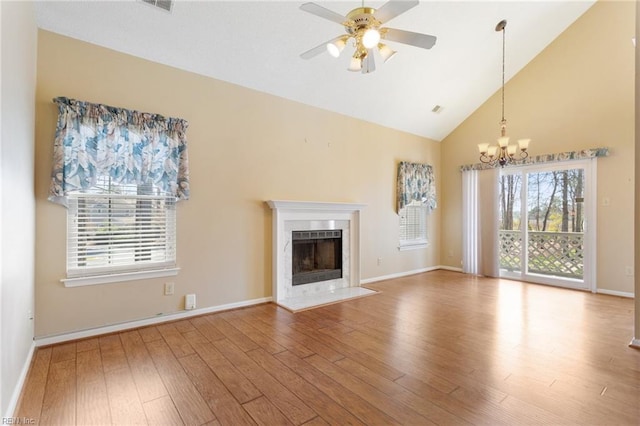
[(503, 153)]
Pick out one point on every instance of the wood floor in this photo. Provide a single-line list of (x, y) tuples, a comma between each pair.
[(435, 348)]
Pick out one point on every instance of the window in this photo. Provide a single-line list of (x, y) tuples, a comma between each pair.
[(113, 229), (120, 173), (416, 196), (413, 226)]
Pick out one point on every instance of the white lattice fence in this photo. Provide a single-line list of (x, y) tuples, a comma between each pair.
[(549, 253), (510, 249)]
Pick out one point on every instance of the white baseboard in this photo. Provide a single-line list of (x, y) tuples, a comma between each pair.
[(615, 293), (450, 268), (407, 273), (58, 338), (17, 390), (635, 343)]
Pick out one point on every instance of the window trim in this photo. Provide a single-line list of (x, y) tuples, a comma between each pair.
[(413, 245), (119, 277)]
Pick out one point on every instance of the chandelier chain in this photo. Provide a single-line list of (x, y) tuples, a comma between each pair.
[(503, 49)]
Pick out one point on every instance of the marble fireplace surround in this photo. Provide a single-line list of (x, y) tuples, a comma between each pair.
[(291, 216)]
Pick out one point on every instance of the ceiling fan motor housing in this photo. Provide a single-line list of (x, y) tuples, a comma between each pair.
[(359, 19)]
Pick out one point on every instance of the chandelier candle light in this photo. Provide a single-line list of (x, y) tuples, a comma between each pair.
[(503, 153)]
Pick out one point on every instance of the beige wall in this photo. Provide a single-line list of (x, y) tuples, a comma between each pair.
[(245, 147), (578, 93), (17, 219)]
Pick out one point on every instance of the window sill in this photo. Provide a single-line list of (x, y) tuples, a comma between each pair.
[(414, 245), (113, 278)]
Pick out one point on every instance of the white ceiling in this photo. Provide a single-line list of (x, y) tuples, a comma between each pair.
[(257, 44)]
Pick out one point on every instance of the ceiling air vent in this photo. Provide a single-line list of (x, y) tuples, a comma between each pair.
[(162, 4)]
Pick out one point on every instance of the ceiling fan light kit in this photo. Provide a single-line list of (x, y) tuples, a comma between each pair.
[(503, 153), (370, 38), (336, 47), (355, 64), (386, 52), (364, 26)]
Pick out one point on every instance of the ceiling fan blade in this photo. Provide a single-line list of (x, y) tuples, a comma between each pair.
[(314, 52), (424, 41), (368, 63), (391, 9), (318, 49), (323, 12)]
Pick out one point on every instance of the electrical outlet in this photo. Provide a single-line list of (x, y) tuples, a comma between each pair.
[(190, 301), (379, 261), (606, 201), (450, 253), (168, 289), (628, 271)]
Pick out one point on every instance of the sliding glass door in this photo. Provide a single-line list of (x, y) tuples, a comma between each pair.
[(545, 217)]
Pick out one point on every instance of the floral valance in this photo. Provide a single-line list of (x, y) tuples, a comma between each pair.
[(546, 158), (416, 183), (94, 141)]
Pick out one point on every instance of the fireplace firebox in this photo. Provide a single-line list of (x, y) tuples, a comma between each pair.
[(317, 256)]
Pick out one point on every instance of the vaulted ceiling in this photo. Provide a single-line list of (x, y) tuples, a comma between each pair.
[(257, 44)]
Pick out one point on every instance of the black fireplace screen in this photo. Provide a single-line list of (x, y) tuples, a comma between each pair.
[(317, 256)]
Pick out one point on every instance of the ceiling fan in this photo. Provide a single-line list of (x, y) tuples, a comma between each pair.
[(364, 26)]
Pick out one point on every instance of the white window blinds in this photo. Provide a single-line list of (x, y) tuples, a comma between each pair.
[(127, 228), (413, 226)]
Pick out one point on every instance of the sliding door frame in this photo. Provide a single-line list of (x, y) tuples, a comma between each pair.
[(588, 281)]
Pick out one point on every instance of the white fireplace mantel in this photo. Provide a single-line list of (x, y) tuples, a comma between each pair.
[(290, 216), (315, 205)]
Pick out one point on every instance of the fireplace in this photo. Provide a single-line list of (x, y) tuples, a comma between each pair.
[(317, 256), (316, 253)]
